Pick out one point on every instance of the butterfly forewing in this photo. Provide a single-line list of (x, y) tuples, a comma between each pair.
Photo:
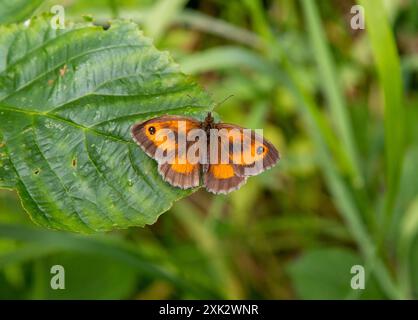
[(161, 138)]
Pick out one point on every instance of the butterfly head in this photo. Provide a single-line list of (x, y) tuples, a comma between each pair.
[(209, 121), (209, 118)]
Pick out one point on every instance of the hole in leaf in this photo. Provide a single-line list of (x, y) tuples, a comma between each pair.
[(36, 171), (105, 25), (74, 162)]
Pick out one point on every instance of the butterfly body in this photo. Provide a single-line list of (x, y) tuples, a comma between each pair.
[(190, 153)]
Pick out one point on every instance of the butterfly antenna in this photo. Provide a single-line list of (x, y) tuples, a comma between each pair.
[(219, 103)]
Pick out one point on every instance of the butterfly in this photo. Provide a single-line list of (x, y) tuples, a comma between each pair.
[(190, 152)]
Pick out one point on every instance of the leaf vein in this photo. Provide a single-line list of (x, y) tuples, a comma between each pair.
[(74, 209), (54, 68)]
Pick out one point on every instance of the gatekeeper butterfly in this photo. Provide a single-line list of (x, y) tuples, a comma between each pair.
[(190, 153)]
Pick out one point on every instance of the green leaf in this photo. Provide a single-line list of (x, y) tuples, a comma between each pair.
[(17, 10), (326, 274), (67, 101), (7, 175)]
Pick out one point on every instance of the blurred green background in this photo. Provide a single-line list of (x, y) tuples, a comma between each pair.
[(340, 104)]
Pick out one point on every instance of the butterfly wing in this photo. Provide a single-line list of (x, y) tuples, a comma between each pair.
[(151, 137), (222, 178), (184, 176), (253, 155), (250, 156)]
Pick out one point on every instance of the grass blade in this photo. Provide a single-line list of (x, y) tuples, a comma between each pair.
[(161, 15), (389, 73), (331, 88)]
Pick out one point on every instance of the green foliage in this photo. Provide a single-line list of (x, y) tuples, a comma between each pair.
[(7, 176), (412, 263), (17, 10), (390, 78), (160, 16), (331, 89), (340, 104), (45, 246), (313, 278), (83, 280), (67, 101)]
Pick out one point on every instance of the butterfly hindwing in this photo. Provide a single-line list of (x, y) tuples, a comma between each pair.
[(184, 176), (221, 178)]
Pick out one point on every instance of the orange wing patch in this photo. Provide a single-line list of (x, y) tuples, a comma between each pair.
[(181, 165), (183, 168), (221, 178), (222, 171)]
